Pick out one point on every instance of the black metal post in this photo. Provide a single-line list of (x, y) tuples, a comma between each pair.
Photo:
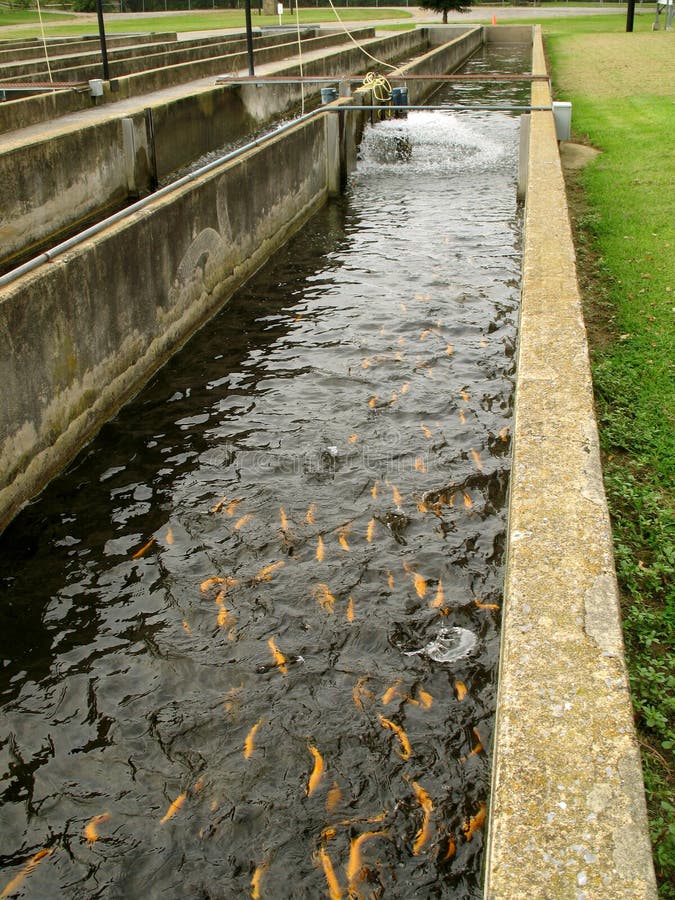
[(630, 14), (249, 38), (101, 32)]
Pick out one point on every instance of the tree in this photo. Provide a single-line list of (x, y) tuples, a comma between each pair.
[(444, 6)]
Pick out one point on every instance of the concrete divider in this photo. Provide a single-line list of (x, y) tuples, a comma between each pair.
[(72, 65), (130, 61), (441, 59), (22, 113), (48, 186), (159, 78), (80, 334), (9, 52), (567, 811)]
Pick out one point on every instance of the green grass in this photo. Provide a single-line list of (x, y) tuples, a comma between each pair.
[(25, 17), (573, 25), (200, 20), (622, 104)]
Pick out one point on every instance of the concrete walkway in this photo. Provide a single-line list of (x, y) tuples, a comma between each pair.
[(130, 105)]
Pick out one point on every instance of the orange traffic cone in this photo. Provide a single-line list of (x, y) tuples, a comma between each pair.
[(494, 19)]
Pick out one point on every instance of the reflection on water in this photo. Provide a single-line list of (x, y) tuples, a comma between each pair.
[(249, 639)]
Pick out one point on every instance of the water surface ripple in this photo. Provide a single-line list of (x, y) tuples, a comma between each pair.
[(249, 639)]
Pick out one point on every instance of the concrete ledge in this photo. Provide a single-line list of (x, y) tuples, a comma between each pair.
[(81, 334), (21, 113), (42, 194), (568, 816), (86, 63), (135, 61), (10, 52)]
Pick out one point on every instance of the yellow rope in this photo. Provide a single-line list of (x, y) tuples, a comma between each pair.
[(379, 85)]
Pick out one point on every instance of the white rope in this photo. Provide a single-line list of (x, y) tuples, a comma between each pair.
[(352, 38), (44, 41), (302, 85)]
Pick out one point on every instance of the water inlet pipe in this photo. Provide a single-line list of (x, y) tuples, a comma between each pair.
[(328, 95), (399, 98)]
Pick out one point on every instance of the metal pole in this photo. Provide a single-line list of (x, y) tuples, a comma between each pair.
[(630, 13), (249, 38), (101, 32)]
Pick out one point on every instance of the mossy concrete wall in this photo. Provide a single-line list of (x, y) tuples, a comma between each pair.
[(76, 173), (567, 810), (27, 111), (81, 333), (21, 50)]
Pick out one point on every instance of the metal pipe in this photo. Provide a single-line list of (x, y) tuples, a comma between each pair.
[(101, 34), (93, 230), (352, 79), (453, 108), (249, 38)]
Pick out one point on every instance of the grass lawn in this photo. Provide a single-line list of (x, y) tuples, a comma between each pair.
[(622, 88), (200, 20)]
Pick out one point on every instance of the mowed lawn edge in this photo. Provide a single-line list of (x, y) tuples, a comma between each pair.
[(622, 87)]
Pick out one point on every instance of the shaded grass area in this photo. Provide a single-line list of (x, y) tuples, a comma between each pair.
[(200, 20), (621, 87)]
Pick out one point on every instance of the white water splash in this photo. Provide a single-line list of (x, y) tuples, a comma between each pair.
[(436, 143), (449, 645)]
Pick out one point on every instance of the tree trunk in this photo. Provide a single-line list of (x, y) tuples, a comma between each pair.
[(445, 17)]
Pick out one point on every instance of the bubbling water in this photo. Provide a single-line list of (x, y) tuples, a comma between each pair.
[(436, 143)]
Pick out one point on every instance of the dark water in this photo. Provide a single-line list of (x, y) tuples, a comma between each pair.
[(335, 448)]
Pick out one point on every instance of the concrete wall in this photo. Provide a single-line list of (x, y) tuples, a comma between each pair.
[(510, 34), (160, 78), (80, 334), (262, 102), (21, 113), (59, 47), (65, 65), (443, 59), (48, 186), (441, 34), (129, 61), (567, 817)]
